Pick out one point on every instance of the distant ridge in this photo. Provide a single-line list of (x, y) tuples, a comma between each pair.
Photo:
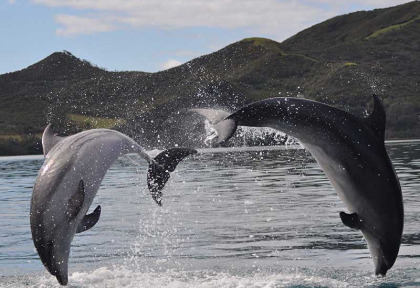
[(341, 61), (353, 27), (58, 66)]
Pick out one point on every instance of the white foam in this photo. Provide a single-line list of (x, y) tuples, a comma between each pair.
[(121, 276)]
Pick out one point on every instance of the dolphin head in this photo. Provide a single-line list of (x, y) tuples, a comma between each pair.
[(54, 222), (53, 247), (382, 234), (222, 131), (384, 252), (259, 114)]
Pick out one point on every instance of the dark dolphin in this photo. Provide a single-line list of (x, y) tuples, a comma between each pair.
[(351, 152), (68, 181)]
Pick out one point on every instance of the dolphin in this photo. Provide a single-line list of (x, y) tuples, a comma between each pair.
[(214, 117), (352, 154), (68, 180)]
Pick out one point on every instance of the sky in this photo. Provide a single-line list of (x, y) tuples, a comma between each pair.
[(152, 35)]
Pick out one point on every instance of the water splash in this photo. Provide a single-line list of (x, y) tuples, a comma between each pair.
[(251, 136), (121, 276), (211, 133)]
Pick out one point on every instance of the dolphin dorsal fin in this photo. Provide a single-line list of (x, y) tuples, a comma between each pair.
[(351, 220), (377, 119), (89, 220), (49, 139), (76, 201)]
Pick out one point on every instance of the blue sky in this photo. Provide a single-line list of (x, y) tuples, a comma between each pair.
[(152, 35)]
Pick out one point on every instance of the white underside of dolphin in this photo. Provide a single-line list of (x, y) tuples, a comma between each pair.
[(68, 180), (351, 152), (217, 126)]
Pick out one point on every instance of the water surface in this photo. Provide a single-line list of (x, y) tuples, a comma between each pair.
[(243, 217)]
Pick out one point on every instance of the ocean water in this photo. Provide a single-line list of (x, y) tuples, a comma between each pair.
[(242, 217)]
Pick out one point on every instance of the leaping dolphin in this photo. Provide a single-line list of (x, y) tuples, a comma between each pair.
[(68, 180), (351, 152), (217, 126)]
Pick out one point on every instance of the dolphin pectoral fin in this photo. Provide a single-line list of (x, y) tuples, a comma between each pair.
[(377, 119), (89, 220), (158, 173), (351, 220), (76, 201)]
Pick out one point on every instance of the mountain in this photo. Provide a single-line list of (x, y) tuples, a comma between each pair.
[(59, 66), (341, 61)]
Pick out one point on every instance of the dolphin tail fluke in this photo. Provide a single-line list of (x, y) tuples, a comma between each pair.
[(158, 173)]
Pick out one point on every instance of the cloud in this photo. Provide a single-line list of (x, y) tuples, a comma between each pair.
[(343, 7), (381, 3), (171, 63), (277, 18), (272, 17), (75, 25), (12, 1), (181, 53)]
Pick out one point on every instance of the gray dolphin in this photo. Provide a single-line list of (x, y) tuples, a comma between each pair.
[(68, 180), (214, 117), (351, 152)]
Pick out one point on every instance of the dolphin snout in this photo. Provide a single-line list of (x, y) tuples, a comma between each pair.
[(55, 261), (381, 266), (385, 257), (224, 130), (45, 252), (63, 278)]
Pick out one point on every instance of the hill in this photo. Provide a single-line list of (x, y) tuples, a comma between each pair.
[(341, 61)]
